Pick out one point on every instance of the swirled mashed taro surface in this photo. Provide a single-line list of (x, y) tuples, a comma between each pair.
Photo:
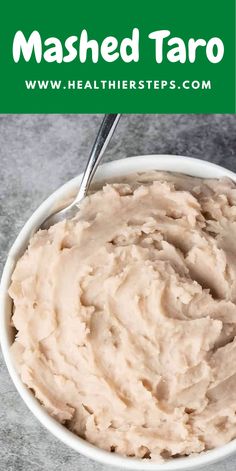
[(126, 316)]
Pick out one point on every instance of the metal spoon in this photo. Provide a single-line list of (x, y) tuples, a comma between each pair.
[(103, 138)]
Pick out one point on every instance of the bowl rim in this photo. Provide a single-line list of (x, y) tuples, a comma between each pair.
[(122, 167)]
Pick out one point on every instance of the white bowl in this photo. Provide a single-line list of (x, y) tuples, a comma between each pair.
[(117, 168)]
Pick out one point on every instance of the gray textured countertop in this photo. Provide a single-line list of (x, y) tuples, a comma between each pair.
[(37, 154)]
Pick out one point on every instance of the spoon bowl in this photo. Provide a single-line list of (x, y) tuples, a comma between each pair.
[(103, 138)]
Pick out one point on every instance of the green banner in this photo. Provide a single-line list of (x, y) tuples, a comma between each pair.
[(126, 56)]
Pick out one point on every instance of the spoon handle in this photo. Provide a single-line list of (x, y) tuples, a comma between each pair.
[(104, 135)]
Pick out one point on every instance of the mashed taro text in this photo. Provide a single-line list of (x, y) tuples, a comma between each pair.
[(126, 316)]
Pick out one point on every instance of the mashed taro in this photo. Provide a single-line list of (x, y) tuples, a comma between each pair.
[(126, 316)]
